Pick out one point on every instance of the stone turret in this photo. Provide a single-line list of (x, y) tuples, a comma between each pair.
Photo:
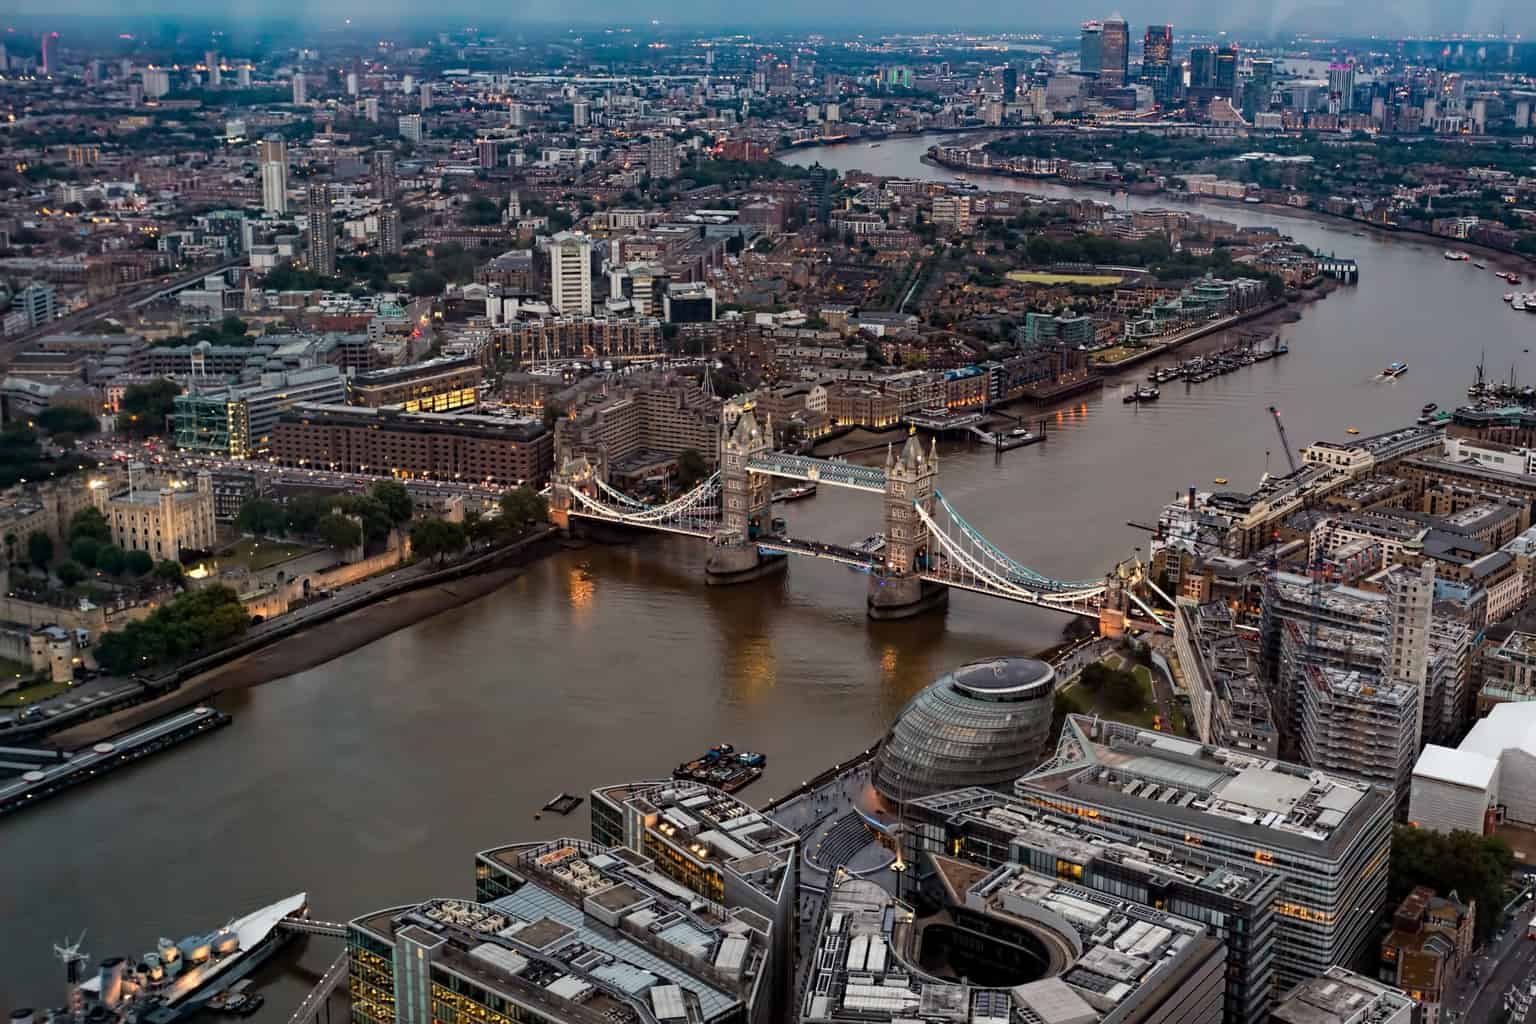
[(895, 590)]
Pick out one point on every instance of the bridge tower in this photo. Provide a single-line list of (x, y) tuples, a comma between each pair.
[(745, 504), (897, 591), (570, 475)]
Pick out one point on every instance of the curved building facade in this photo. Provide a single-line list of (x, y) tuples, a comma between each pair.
[(984, 724)]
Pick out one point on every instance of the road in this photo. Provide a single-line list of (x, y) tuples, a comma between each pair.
[(1508, 961)]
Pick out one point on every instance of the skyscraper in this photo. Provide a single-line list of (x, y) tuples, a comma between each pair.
[(389, 230), (274, 175), (1341, 88), (371, 109), (1115, 54), (410, 128), (424, 94), (570, 274), (300, 89), (382, 167), (581, 114), (1157, 62), (1226, 71), (1260, 87), (322, 232), (1202, 67), (661, 158), (1010, 83), (215, 73), (1090, 55), (49, 41)]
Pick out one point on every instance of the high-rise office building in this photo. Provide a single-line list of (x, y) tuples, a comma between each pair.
[(352, 83), (1412, 593), (1226, 71), (322, 231), (243, 76), (1341, 88), (1260, 88), (300, 89), (570, 274), (389, 230), (1157, 60), (382, 170), (1202, 67), (274, 175), (1115, 51), (1090, 48), (215, 73), (1010, 83), (1327, 836), (50, 40)]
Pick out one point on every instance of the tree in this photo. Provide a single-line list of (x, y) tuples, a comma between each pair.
[(138, 562), (396, 500), (67, 420), (691, 468), (145, 407), (170, 572), (522, 507), (552, 415), (110, 559), (339, 532), (304, 512), (195, 621), (39, 549), (426, 282), (90, 523), (261, 517), (70, 573), (1475, 867), (434, 538), (10, 547), (84, 549)]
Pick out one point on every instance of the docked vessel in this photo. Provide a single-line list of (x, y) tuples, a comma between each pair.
[(1146, 394), (1426, 412), (1456, 256), (1395, 369), (721, 766), (179, 978)]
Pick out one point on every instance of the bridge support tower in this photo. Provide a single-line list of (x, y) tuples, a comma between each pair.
[(570, 475), (745, 507), (897, 591)]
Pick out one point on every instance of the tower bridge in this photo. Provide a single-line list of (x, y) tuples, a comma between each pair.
[(929, 547)]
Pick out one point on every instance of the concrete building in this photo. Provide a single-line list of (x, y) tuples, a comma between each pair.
[(446, 384), (321, 230), (1431, 939), (720, 849), (237, 421), (550, 339), (1327, 836), (1227, 700), (1234, 902), (414, 445), (164, 521), (564, 932), (1340, 996), (389, 231), (274, 175), (1490, 776), (570, 274), (1360, 724), (653, 420), (661, 158), (381, 164), (1107, 959)]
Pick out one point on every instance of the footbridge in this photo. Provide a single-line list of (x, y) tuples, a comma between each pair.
[(929, 548)]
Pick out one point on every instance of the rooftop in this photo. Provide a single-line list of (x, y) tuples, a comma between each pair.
[(1341, 996), (1223, 791)]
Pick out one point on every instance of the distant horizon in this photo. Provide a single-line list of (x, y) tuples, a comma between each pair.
[(1506, 20)]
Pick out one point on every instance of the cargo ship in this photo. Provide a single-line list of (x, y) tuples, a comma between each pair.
[(722, 767), (176, 979)]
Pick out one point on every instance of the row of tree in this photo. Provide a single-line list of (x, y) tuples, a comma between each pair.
[(333, 519), (520, 509), (196, 621)]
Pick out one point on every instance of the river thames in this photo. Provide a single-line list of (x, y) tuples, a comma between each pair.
[(373, 780)]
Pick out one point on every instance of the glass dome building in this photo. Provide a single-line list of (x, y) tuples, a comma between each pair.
[(984, 724)]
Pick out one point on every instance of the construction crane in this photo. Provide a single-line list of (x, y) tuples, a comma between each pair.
[(1314, 565)]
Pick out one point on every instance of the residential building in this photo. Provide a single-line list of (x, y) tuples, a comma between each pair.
[(386, 184), (274, 175), (661, 158), (414, 445), (389, 231), (410, 126), (1327, 836), (1431, 939), (164, 521), (570, 274), (322, 231), (549, 339), (1228, 704), (650, 422), (1360, 724)]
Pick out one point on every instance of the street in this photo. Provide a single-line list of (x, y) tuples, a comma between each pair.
[(1509, 962)]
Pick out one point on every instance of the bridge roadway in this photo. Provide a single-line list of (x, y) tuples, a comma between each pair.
[(334, 977), (822, 471)]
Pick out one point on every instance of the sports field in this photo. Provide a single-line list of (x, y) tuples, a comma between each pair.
[(1091, 280)]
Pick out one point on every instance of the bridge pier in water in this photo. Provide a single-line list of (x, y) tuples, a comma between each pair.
[(897, 590)]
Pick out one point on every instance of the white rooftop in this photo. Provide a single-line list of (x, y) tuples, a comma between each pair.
[(1510, 726), (1460, 767)]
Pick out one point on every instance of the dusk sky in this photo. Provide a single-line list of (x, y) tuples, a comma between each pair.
[(1401, 17)]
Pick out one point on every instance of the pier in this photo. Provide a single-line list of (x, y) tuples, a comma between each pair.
[(51, 777)]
